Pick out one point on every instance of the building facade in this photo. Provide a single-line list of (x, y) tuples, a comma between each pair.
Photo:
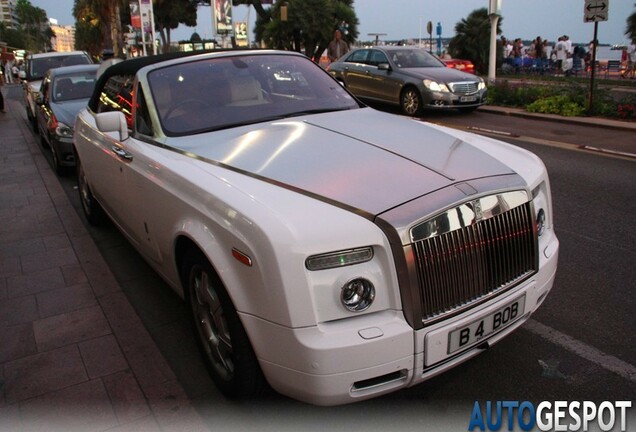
[(7, 13), (64, 39)]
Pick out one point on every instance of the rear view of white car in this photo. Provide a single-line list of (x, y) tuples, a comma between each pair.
[(36, 66), (332, 251)]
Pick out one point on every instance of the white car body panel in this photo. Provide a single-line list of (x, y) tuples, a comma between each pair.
[(258, 189)]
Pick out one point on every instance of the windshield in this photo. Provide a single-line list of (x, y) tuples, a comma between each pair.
[(71, 87), (218, 93), (414, 58), (39, 66)]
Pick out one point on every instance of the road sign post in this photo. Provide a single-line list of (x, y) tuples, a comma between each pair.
[(594, 11)]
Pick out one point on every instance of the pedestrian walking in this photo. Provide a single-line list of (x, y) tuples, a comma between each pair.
[(337, 47)]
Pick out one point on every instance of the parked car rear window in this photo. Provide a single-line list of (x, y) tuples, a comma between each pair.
[(39, 66), (71, 87)]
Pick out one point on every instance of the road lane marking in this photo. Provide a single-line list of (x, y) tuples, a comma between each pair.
[(583, 350), (540, 141)]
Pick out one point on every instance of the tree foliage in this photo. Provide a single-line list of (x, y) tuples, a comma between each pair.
[(309, 27), (98, 25), (12, 37), (170, 13), (34, 25), (630, 30), (472, 39)]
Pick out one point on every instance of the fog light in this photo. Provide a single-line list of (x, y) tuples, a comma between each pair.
[(357, 294), (540, 222)]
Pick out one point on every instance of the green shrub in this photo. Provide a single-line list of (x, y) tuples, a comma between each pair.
[(565, 98), (561, 105)]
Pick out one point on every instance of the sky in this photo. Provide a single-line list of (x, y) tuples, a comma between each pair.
[(401, 19)]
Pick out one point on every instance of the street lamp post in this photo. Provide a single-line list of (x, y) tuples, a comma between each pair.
[(494, 12)]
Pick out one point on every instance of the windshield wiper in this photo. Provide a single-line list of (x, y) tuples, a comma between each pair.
[(313, 111)]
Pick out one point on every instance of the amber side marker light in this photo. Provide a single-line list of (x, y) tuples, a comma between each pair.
[(241, 257)]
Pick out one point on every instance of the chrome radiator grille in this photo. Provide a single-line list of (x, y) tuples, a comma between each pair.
[(464, 87), (457, 268)]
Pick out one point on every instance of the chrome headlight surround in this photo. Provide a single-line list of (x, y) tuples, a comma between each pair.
[(541, 208), (435, 86), (358, 294), (339, 258), (64, 131)]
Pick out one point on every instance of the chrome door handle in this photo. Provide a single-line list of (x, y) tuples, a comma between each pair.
[(121, 153)]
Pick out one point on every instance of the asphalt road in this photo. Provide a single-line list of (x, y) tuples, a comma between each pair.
[(580, 345)]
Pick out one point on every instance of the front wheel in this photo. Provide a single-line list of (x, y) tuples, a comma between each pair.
[(221, 337), (92, 210), (411, 102)]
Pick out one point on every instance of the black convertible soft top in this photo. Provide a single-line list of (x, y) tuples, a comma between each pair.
[(131, 66)]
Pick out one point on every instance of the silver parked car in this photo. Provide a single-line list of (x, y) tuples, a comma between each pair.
[(36, 66), (64, 92), (409, 77), (336, 252)]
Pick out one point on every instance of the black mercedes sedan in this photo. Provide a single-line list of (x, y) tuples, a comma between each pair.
[(65, 91)]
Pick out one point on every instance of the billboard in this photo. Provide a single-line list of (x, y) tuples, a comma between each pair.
[(145, 7), (240, 33), (222, 16), (135, 15)]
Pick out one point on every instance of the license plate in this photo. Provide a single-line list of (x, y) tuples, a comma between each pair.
[(477, 330), (468, 98)]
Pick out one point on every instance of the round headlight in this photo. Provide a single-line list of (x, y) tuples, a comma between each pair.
[(357, 294), (63, 130), (540, 222)]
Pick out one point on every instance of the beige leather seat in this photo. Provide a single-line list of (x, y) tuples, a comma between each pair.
[(245, 91)]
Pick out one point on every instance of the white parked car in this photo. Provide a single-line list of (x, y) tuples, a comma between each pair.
[(36, 66), (333, 251)]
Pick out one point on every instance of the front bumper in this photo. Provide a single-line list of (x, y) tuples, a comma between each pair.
[(64, 150), (370, 355), (445, 100)]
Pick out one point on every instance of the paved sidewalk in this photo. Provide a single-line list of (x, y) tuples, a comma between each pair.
[(74, 355)]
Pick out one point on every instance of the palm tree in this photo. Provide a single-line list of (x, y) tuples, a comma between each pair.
[(35, 25), (472, 39), (309, 26), (104, 15), (630, 30)]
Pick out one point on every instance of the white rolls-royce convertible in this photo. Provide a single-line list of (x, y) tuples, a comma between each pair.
[(332, 251)]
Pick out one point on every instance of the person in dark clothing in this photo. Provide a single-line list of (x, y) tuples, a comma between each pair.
[(1, 96)]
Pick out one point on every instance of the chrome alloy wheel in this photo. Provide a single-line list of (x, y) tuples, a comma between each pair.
[(211, 324), (411, 102)]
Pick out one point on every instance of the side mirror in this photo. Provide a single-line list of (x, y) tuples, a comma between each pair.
[(384, 67), (112, 123)]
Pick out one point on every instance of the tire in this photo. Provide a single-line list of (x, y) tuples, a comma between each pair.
[(411, 102), (91, 208), (59, 169), (221, 338), (43, 142), (34, 124)]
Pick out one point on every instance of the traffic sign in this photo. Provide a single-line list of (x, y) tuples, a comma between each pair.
[(595, 10)]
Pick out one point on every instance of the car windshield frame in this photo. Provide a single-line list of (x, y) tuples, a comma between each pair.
[(204, 95), (409, 58)]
